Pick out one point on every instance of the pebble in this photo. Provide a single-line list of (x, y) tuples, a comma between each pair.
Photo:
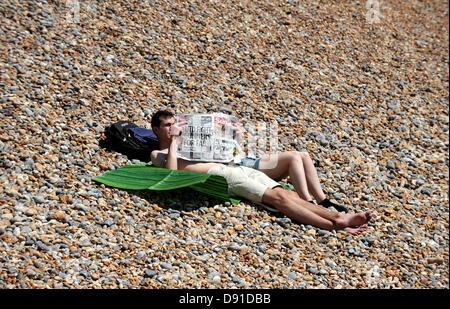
[(367, 102), (292, 276), (149, 273), (435, 260), (166, 266)]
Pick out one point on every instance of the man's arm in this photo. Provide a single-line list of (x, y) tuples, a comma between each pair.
[(175, 131), (161, 158), (172, 163)]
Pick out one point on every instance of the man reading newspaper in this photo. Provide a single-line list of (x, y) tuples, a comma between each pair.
[(248, 182)]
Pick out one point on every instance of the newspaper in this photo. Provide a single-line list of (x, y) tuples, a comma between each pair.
[(208, 138)]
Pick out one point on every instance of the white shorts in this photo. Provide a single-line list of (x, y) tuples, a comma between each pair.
[(244, 181)]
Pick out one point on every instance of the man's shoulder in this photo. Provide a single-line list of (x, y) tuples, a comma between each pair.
[(157, 151)]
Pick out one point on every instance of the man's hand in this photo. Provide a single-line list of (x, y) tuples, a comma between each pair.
[(177, 129)]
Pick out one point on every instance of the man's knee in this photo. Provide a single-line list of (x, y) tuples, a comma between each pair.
[(304, 155), (276, 196), (300, 154), (295, 155)]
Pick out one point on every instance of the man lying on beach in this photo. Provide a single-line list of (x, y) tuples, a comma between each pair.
[(251, 184)]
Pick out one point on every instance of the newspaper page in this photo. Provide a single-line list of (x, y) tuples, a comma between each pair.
[(208, 138)]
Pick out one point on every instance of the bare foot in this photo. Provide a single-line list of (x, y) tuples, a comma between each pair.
[(357, 230), (353, 220)]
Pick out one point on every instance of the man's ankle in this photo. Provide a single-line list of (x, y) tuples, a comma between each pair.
[(327, 204)]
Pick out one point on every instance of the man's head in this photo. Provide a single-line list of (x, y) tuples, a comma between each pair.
[(162, 120)]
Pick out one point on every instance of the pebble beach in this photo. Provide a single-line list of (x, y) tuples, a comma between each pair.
[(362, 86)]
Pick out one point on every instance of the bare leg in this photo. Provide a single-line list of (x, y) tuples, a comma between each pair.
[(284, 168), (300, 168), (340, 218), (279, 198), (312, 178), (289, 203)]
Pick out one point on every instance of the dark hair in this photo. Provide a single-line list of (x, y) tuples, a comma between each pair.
[(156, 119)]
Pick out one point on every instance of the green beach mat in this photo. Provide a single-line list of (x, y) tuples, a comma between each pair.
[(144, 176)]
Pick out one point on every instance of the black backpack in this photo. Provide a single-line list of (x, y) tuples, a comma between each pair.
[(129, 139)]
